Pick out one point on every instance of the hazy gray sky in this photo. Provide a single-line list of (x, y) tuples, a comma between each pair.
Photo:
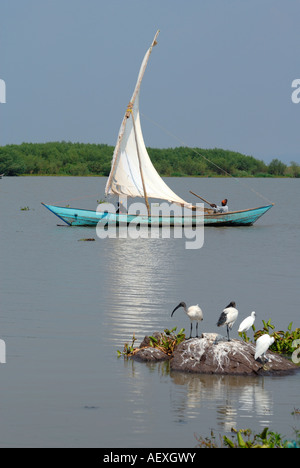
[(220, 76)]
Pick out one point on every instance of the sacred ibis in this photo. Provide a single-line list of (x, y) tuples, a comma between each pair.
[(247, 323), (194, 313), (228, 317), (262, 345)]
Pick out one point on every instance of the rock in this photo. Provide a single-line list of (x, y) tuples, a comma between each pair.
[(146, 340), (147, 353), (150, 355), (213, 354)]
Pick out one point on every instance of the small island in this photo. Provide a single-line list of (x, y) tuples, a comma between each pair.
[(213, 354)]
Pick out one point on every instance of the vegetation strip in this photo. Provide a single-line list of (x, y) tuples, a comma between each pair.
[(81, 159)]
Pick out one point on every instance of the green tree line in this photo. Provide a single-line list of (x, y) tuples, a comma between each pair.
[(80, 159)]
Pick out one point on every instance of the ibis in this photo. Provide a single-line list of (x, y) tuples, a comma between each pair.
[(262, 345), (194, 313), (247, 323), (228, 317)]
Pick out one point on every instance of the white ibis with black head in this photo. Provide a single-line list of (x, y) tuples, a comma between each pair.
[(194, 313), (247, 323), (228, 317), (262, 345)]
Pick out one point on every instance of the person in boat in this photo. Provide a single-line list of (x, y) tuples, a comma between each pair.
[(220, 209), (121, 208)]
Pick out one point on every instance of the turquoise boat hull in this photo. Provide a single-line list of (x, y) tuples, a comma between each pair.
[(80, 217)]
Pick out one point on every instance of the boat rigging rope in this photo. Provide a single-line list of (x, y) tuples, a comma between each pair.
[(168, 132)]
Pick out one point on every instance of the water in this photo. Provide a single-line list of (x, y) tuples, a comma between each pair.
[(67, 306)]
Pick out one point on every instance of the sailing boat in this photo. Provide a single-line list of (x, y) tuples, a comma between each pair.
[(133, 175)]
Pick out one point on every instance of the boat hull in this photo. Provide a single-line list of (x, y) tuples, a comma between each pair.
[(80, 217)]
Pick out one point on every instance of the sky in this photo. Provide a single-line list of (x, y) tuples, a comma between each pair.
[(220, 77)]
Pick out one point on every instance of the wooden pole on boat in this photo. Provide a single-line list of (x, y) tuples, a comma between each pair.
[(123, 126), (140, 164), (203, 199), (130, 111)]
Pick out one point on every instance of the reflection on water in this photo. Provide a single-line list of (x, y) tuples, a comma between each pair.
[(138, 282), (234, 399), (144, 395)]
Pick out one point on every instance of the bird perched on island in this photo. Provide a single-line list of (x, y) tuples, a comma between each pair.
[(247, 323), (262, 345), (194, 313), (228, 317)]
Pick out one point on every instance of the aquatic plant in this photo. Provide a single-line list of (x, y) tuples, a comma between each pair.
[(286, 342), (266, 439), (244, 335), (245, 438), (168, 340), (128, 349)]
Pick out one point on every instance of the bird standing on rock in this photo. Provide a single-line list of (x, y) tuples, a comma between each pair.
[(228, 317), (247, 323), (262, 345), (194, 313)]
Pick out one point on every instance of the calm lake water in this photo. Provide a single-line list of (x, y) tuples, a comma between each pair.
[(66, 307)]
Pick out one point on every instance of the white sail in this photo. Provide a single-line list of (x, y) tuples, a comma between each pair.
[(132, 172)]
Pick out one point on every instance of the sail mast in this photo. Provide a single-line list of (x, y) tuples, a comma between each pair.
[(140, 165), (123, 125), (129, 110), (142, 72)]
